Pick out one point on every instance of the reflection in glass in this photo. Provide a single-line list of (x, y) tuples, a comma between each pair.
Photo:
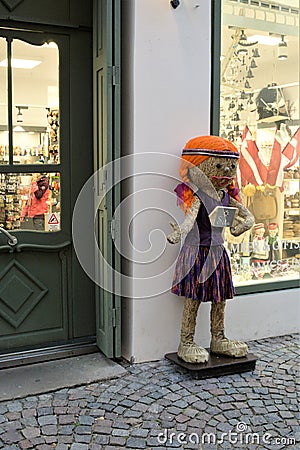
[(3, 106), (35, 103), (261, 117), (30, 201)]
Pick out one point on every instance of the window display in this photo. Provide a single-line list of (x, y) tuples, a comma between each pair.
[(29, 135), (259, 112), (34, 103), (30, 201)]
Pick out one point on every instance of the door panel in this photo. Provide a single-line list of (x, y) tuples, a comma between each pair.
[(34, 280), (45, 296), (82, 308), (61, 12), (33, 298), (106, 149)]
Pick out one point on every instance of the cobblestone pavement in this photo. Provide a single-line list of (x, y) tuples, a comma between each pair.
[(154, 400)]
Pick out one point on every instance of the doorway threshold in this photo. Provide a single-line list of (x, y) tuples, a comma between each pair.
[(50, 353), (49, 376)]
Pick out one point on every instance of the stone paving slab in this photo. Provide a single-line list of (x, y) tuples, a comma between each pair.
[(52, 375), (157, 406)]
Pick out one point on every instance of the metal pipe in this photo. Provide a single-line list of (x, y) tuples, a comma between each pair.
[(12, 240)]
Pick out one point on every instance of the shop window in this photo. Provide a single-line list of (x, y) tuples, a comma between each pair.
[(30, 201), (29, 135), (259, 112)]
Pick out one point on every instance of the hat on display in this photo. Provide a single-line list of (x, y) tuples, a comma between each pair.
[(259, 226), (273, 226)]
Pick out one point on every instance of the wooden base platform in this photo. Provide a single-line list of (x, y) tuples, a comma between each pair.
[(217, 365)]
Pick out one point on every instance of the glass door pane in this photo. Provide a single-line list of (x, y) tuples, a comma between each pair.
[(3, 103), (35, 103), (30, 201)]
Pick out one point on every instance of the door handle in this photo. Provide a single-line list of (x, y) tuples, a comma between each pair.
[(12, 240)]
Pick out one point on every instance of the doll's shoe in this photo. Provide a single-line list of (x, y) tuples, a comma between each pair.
[(219, 343), (192, 353), (225, 346)]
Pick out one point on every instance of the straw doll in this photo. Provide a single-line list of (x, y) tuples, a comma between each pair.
[(203, 272)]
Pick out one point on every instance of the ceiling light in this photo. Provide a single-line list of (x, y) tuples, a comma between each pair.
[(18, 129), (250, 101), (19, 117), (255, 53), (21, 63), (253, 64), (243, 95), (243, 37), (264, 40), (231, 105), (249, 74), (242, 51), (19, 113), (282, 49)]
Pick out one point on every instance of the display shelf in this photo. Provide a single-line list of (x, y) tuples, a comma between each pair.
[(10, 206), (284, 277)]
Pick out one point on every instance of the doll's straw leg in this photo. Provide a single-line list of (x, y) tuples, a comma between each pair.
[(188, 350), (219, 343)]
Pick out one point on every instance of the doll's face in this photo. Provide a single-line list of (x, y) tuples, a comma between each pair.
[(260, 232), (220, 171), (273, 233)]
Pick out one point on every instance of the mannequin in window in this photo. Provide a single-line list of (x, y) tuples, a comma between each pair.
[(260, 253), (274, 243), (37, 204)]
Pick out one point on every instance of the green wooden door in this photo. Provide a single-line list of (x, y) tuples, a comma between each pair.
[(106, 149), (45, 296)]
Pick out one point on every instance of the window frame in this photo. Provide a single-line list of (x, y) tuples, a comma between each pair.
[(32, 238), (216, 36)]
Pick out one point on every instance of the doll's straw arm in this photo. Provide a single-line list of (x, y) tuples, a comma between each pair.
[(187, 224), (190, 217), (243, 215)]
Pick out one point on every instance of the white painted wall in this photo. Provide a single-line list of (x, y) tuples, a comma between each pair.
[(166, 101), (157, 323)]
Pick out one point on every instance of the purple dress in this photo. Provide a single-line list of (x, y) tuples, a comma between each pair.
[(203, 269)]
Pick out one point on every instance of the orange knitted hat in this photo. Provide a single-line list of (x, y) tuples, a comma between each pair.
[(200, 148), (196, 151)]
